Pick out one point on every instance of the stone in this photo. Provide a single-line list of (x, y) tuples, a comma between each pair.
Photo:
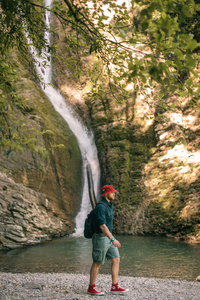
[(28, 219), (17, 215), (33, 286), (198, 278), (44, 202), (15, 238)]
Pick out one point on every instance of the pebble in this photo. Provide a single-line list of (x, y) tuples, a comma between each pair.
[(62, 286)]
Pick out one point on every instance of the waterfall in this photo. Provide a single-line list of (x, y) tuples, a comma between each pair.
[(84, 137)]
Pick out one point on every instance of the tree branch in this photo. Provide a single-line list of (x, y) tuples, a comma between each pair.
[(92, 32)]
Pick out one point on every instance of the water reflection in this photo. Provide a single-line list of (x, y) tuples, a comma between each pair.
[(140, 257)]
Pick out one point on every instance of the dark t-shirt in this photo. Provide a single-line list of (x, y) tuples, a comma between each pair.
[(101, 217)]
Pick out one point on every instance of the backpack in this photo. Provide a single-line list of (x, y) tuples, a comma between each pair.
[(88, 226)]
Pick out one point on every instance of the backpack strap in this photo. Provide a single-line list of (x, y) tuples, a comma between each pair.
[(104, 206)]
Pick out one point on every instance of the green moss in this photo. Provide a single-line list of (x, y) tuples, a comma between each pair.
[(62, 164), (118, 133), (136, 165), (98, 121), (138, 149)]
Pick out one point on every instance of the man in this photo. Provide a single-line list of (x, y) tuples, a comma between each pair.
[(104, 243)]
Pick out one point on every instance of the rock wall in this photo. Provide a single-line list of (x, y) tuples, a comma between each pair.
[(150, 154), (154, 165), (173, 174), (44, 197), (26, 216)]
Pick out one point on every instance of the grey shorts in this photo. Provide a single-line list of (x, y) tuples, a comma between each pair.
[(103, 248)]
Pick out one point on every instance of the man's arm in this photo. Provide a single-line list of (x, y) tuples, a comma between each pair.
[(107, 232)]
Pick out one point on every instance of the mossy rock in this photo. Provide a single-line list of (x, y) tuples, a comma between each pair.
[(56, 169)]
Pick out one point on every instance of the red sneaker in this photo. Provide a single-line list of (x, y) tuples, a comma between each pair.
[(116, 289), (93, 291)]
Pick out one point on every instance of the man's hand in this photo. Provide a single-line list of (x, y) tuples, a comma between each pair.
[(116, 243), (107, 232)]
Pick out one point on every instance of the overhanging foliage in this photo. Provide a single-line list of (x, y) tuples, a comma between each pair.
[(145, 43)]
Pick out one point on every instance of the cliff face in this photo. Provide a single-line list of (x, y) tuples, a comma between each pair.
[(154, 165), (27, 217), (152, 162), (43, 197), (148, 153)]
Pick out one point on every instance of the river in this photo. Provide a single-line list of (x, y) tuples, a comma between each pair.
[(140, 257)]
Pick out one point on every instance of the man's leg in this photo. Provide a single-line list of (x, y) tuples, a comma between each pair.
[(94, 272), (98, 254), (93, 275), (116, 289), (115, 269)]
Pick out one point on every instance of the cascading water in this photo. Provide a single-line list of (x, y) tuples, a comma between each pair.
[(84, 136)]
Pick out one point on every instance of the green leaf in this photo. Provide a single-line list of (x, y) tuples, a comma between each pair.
[(192, 44), (189, 82), (123, 33), (191, 62)]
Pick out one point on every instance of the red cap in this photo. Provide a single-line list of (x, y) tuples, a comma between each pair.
[(107, 189)]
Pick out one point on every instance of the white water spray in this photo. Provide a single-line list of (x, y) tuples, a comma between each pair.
[(84, 136)]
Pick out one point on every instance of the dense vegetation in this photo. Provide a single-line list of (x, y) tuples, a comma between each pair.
[(141, 43)]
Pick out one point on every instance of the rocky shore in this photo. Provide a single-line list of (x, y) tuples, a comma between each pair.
[(74, 286)]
